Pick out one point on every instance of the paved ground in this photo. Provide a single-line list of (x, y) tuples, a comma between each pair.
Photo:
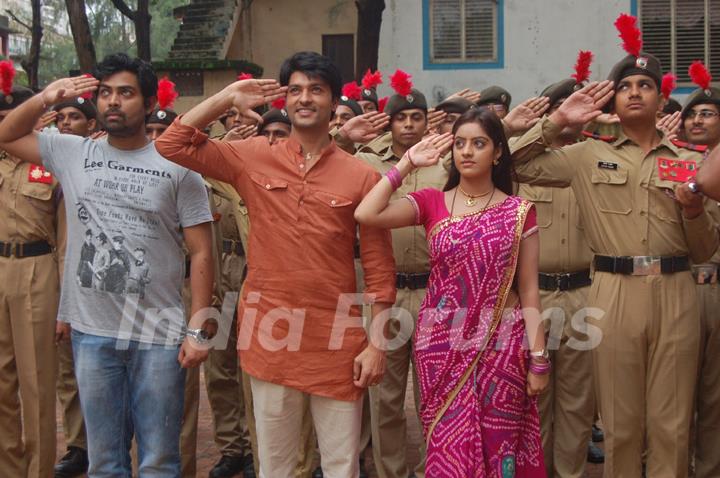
[(207, 452)]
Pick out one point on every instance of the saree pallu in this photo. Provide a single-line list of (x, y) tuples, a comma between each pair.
[(469, 354)]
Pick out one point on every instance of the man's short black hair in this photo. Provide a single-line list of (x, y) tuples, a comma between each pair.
[(119, 62), (314, 65)]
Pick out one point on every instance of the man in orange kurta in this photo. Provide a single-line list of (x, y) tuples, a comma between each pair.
[(300, 327)]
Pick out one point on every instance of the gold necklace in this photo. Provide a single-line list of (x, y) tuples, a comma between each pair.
[(470, 201)]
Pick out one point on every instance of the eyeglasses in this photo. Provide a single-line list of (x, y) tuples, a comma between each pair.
[(702, 114)]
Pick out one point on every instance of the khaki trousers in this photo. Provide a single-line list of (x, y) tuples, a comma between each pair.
[(707, 429), (387, 401), (29, 296), (645, 369), (191, 408), (279, 414), (567, 406), (67, 392), (223, 377)]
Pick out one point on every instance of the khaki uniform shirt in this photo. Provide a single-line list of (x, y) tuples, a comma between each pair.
[(626, 208), (32, 208), (409, 243), (563, 247), (234, 224)]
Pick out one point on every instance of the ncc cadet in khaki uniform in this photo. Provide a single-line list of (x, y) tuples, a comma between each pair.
[(408, 121), (454, 107), (156, 123), (30, 211), (78, 117), (701, 126), (496, 98), (567, 406), (643, 230)]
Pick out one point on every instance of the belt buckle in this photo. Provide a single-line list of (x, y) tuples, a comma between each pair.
[(563, 281), (705, 274), (647, 266)]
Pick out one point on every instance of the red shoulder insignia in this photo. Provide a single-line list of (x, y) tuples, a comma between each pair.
[(700, 148), (38, 174), (601, 137)]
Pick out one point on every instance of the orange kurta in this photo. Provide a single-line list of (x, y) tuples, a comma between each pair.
[(300, 257)]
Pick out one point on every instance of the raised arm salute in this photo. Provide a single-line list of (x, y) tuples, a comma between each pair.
[(301, 194), (643, 228), (17, 134)]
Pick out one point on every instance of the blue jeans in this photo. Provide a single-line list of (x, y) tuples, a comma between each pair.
[(137, 390)]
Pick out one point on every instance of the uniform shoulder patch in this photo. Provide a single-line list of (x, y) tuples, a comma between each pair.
[(700, 148), (601, 137)]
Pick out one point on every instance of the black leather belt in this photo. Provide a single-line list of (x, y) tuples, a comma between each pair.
[(642, 265), (563, 282), (412, 281), (31, 249), (233, 247)]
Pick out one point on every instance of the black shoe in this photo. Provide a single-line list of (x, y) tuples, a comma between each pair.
[(595, 454), (249, 467), (317, 473), (227, 467), (74, 463), (598, 436)]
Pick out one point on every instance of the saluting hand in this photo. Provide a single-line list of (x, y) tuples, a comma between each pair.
[(249, 94), (468, 94), (526, 114), (366, 127), (46, 120), (429, 151), (241, 132), (584, 105), (670, 125), (68, 88), (434, 120)]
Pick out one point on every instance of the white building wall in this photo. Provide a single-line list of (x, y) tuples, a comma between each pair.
[(542, 39)]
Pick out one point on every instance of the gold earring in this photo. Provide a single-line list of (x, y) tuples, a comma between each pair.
[(496, 162)]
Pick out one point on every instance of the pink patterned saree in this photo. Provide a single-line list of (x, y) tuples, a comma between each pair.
[(471, 363)]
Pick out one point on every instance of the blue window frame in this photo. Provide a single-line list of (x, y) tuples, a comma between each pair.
[(463, 34)]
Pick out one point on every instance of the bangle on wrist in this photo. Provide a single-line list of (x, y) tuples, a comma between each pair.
[(540, 369), (394, 177)]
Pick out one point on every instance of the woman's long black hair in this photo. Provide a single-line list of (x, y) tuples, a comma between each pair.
[(503, 173)]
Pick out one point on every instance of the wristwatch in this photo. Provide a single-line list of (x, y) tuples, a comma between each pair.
[(541, 354), (693, 187), (199, 335)]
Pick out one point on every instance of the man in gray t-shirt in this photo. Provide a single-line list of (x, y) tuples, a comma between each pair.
[(139, 200), (122, 197)]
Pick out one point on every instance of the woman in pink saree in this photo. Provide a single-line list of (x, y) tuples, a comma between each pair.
[(478, 377)]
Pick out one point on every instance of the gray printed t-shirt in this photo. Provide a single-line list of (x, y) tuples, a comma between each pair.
[(125, 264)]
